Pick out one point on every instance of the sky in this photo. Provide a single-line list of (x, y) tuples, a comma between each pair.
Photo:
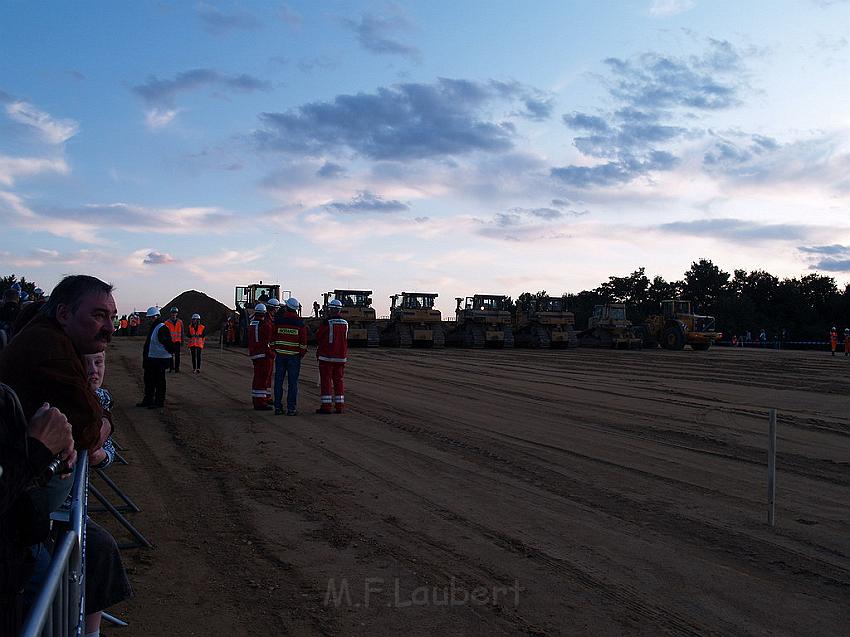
[(490, 147)]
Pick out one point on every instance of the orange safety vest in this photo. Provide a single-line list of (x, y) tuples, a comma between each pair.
[(176, 330), (196, 336), (833, 339), (123, 324)]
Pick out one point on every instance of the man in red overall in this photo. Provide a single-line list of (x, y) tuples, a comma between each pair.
[(332, 352), (259, 335)]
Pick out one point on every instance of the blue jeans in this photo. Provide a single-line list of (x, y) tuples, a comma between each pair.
[(286, 365)]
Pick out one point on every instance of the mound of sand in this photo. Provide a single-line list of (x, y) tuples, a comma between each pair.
[(213, 313)]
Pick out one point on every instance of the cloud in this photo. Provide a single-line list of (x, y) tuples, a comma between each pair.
[(159, 117), (670, 7), (54, 131), (161, 93), (320, 62), (366, 201), (11, 168), (830, 258), (217, 22), (527, 224), (375, 34), (158, 258), (612, 173), (403, 122), (40, 257), (329, 170), (739, 230)]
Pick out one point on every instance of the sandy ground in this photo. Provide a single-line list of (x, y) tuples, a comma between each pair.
[(492, 492)]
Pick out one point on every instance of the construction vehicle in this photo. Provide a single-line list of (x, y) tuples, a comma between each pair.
[(544, 322), (413, 321), (677, 326), (608, 327), (247, 297), (357, 310), (482, 320)]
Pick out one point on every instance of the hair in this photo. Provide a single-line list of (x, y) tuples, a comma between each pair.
[(11, 295), (72, 290)]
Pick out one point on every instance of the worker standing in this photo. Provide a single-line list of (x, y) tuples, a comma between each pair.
[(156, 354), (262, 356), (289, 340), (175, 326), (847, 341), (195, 341), (332, 352), (316, 308), (123, 324), (133, 322), (833, 339)]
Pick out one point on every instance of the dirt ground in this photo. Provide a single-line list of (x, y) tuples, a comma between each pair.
[(491, 492)]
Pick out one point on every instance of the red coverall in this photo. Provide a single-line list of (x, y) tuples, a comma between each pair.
[(262, 355), (332, 352)]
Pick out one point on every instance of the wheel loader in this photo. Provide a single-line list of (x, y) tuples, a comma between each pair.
[(608, 327), (482, 320), (247, 297), (677, 326), (413, 322), (358, 311), (544, 322)]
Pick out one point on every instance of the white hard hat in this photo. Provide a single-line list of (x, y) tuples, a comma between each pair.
[(152, 311), (335, 303), (196, 316), (38, 291), (292, 303), (273, 302), (259, 307)]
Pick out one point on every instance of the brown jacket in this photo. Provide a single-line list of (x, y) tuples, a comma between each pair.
[(41, 365)]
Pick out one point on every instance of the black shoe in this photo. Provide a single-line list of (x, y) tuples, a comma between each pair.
[(278, 412), (143, 404), (291, 412)]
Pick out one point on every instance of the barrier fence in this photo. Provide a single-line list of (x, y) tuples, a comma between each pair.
[(58, 610)]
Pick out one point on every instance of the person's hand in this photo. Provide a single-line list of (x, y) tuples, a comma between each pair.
[(50, 427), (105, 431), (97, 457)]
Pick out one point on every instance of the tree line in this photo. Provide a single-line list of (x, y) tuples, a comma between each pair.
[(805, 307)]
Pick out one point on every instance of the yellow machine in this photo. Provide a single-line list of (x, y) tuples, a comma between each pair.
[(678, 326), (483, 320), (357, 310), (247, 296), (544, 322), (608, 327), (414, 322)]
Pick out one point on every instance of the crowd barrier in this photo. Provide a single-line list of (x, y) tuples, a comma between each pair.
[(58, 610)]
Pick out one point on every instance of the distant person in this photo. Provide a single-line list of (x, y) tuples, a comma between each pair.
[(847, 341), (175, 326), (156, 357), (123, 324), (196, 339), (316, 308), (833, 339), (289, 341), (332, 353), (133, 324), (763, 337), (262, 357)]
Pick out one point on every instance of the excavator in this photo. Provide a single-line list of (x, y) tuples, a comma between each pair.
[(608, 327), (482, 320), (544, 322), (413, 322)]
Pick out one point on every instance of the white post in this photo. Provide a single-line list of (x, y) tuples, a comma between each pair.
[(771, 467)]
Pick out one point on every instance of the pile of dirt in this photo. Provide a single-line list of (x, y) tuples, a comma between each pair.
[(213, 313)]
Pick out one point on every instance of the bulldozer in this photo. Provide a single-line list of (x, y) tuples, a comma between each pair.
[(247, 297), (677, 326), (608, 327), (544, 322), (358, 311), (413, 322), (482, 320)]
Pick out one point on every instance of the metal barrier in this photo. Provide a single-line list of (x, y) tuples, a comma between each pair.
[(59, 609)]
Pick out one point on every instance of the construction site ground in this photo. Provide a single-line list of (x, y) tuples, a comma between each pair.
[(491, 492)]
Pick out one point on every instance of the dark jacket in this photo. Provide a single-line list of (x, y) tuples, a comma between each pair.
[(41, 365)]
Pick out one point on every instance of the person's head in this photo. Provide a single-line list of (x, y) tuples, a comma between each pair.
[(95, 368), (260, 310), (196, 318), (84, 308), (38, 294), (174, 311), (152, 315), (334, 306), (292, 304), (11, 296), (272, 306)]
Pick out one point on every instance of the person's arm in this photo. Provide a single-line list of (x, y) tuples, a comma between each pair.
[(302, 339), (164, 336)]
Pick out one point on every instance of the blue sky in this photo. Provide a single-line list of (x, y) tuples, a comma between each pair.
[(493, 147)]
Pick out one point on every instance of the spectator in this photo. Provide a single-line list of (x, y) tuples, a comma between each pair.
[(156, 356), (9, 312), (95, 370)]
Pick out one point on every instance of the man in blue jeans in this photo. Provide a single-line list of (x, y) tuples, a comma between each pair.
[(289, 341)]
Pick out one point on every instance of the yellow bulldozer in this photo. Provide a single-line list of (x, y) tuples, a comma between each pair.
[(608, 327), (544, 322), (677, 326), (247, 297), (358, 311), (413, 322), (482, 320)]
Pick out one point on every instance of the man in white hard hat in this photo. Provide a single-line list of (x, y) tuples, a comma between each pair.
[(262, 356), (195, 341), (289, 341), (156, 356), (332, 352)]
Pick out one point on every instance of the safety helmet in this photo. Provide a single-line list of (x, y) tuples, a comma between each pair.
[(196, 316), (38, 291), (335, 303), (292, 303), (833, 328), (260, 308), (846, 330), (174, 309), (152, 311), (272, 302)]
